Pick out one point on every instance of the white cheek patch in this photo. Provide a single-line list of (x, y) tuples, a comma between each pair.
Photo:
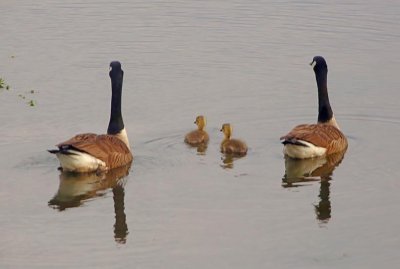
[(303, 152)]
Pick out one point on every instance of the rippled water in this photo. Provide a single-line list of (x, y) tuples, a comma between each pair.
[(243, 62)]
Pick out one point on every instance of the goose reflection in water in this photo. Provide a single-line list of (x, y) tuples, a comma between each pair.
[(76, 188), (300, 172), (201, 149)]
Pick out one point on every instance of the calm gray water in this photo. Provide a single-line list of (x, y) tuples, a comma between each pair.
[(243, 62)]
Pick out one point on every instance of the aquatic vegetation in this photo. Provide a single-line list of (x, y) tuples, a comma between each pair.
[(32, 103), (3, 85)]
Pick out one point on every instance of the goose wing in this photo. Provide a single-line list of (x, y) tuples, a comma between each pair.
[(107, 148), (320, 135)]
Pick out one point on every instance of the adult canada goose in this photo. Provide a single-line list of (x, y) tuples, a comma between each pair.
[(229, 145), (90, 152), (198, 136), (323, 138)]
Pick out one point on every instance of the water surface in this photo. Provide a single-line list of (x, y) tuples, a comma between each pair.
[(243, 62)]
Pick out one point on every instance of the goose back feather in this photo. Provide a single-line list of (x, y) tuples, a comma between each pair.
[(107, 148), (323, 136)]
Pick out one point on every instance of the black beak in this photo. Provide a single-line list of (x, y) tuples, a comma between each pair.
[(312, 62)]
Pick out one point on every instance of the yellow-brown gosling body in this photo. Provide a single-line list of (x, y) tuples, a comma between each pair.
[(320, 139), (90, 152), (230, 145), (199, 136)]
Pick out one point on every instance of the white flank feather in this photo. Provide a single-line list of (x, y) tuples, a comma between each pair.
[(79, 161), (303, 152)]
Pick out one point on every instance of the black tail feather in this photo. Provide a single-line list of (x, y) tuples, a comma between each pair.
[(293, 142), (65, 149)]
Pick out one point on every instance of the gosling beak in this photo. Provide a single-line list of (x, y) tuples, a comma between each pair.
[(220, 130)]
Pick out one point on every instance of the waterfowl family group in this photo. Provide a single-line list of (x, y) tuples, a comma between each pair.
[(228, 145), (90, 152)]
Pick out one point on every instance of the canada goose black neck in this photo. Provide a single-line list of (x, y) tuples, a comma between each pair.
[(116, 123), (325, 112)]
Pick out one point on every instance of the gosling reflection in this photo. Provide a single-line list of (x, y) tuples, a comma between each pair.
[(228, 160), (200, 148), (76, 188), (303, 172)]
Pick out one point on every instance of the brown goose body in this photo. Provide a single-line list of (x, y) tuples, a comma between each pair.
[(327, 138), (324, 137), (107, 148), (91, 152)]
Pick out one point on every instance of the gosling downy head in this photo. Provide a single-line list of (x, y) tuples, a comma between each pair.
[(200, 122), (226, 129)]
